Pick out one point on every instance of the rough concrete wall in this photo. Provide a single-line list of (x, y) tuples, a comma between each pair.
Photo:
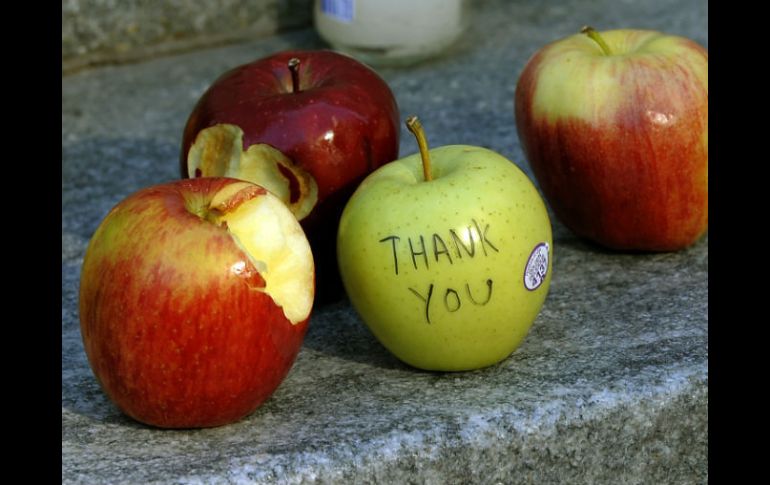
[(109, 31)]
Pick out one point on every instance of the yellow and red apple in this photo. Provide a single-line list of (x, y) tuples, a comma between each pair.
[(308, 126), (195, 297), (615, 128)]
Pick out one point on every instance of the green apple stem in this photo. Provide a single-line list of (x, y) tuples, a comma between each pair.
[(415, 127), (294, 68), (594, 35)]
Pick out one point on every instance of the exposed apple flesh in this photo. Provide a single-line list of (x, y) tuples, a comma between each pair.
[(282, 258)]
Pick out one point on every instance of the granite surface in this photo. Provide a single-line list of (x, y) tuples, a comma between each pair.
[(108, 31), (610, 386)]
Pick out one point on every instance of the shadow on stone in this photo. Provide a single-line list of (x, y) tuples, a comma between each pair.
[(563, 236), (84, 397), (336, 330)]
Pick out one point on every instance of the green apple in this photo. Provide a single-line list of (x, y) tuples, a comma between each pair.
[(446, 255)]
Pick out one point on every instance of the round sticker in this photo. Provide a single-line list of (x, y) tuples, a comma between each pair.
[(537, 267)]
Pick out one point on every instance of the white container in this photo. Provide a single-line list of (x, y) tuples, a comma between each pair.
[(390, 32)]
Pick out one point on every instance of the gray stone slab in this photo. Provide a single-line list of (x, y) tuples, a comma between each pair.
[(109, 31), (610, 386)]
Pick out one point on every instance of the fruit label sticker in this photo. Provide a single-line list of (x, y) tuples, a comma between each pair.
[(537, 267), (341, 10)]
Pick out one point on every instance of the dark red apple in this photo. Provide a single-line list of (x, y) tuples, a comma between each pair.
[(195, 297), (307, 125)]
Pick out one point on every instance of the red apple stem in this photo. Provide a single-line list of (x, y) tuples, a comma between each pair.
[(414, 125), (594, 35), (294, 68)]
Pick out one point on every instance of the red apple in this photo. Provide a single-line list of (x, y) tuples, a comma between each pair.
[(615, 127), (195, 297), (307, 125)]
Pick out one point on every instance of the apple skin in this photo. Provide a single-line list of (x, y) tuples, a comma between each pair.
[(619, 143), (446, 310), (176, 320), (340, 126)]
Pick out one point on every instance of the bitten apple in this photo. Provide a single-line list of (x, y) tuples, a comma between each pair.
[(308, 126), (615, 127), (446, 255), (194, 300)]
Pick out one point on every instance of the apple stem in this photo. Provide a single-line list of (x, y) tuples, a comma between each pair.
[(415, 127), (594, 35), (294, 68)]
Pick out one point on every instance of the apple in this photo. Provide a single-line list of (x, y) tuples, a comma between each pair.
[(615, 128), (446, 255), (306, 125), (195, 297)]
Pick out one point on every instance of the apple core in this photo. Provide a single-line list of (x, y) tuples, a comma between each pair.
[(218, 152)]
